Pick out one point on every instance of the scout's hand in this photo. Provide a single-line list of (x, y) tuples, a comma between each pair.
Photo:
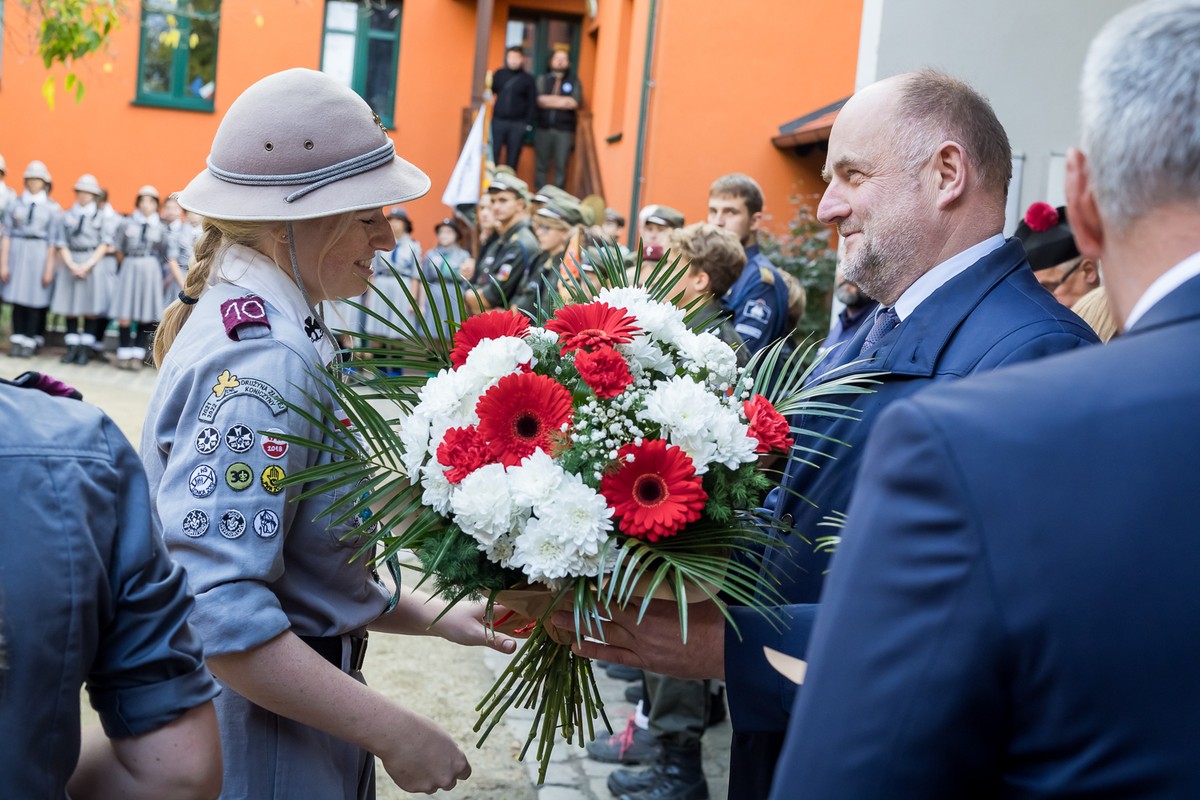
[(424, 758), (467, 269), (464, 624), (655, 643)]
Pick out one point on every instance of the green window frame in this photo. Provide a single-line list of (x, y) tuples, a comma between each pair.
[(177, 56), (360, 48)]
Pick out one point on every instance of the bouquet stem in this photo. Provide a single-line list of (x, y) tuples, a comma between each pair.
[(548, 677)]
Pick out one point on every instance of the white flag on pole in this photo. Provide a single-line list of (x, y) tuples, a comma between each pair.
[(464, 187)]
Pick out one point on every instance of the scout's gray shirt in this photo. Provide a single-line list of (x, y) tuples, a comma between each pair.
[(258, 563), (32, 216), (142, 236), (87, 594), (83, 229)]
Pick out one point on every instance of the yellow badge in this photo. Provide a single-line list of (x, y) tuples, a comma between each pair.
[(239, 476), (272, 478), (225, 381)]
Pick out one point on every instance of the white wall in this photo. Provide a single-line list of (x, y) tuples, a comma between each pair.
[(1024, 55)]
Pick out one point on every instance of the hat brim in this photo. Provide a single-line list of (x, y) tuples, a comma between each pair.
[(396, 182)]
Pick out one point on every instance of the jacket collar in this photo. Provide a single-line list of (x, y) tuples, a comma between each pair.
[(917, 344), (1181, 305)]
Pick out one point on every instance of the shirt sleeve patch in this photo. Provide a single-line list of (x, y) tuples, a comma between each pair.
[(229, 386), (239, 313)]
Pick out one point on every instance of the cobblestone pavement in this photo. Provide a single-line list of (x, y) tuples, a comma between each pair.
[(574, 776), (571, 776)]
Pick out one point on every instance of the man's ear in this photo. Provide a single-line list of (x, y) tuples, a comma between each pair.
[(700, 280), (950, 163), (756, 221), (1082, 211), (1091, 272)]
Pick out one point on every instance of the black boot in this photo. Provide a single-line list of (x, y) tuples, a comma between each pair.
[(679, 775), (71, 355), (83, 355)]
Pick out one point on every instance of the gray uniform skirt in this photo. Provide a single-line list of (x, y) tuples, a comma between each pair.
[(104, 285), (170, 288), (26, 263), (139, 291), (74, 296), (387, 286)]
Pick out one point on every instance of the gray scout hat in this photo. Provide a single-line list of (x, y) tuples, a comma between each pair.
[(664, 215), (563, 209), (37, 169), (299, 145), (147, 191), (88, 183), (509, 183)]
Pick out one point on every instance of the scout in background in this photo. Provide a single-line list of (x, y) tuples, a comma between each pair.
[(80, 292), (282, 605), (442, 270), (181, 239), (142, 242), (555, 224), (401, 264), (27, 259)]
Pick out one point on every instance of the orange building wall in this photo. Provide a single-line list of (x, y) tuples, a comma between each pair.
[(726, 75), (724, 80)]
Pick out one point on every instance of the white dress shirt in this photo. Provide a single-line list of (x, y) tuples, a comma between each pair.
[(1168, 282), (935, 278)]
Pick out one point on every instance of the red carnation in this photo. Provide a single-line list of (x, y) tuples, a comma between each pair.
[(521, 413), (590, 325), (604, 371), (767, 425), (657, 493), (1041, 217), (492, 325), (464, 451)]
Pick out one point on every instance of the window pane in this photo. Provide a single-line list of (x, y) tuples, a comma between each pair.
[(202, 59), (337, 60), (157, 54), (386, 18), (381, 76), (341, 15)]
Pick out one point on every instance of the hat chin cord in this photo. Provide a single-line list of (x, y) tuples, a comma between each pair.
[(337, 352)]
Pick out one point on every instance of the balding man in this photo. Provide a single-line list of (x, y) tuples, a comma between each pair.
[(989, 633), (918, 170)]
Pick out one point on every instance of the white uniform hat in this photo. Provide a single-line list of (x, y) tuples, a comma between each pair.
[(88, 183), (37, 169)]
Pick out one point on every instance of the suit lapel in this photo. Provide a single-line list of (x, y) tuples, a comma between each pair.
[(1181, 305)]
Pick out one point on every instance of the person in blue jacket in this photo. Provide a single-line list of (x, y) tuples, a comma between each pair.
[(758, 300), (986, 632), (292, 201), (922, 228), (88, 596)]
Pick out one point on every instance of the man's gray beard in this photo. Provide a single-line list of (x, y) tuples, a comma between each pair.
[(884, 276)]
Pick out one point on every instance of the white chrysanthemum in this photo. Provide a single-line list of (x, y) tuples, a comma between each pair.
[(545, 552), (414, 437), (711, 353), (682, 406), (661, 321), (699, 447), (536, 480), (492, 359), (447, 400), (483, 506), (581, 514), (734, 446), (540, 338), (437, 489), (501, 550), (644, 355)]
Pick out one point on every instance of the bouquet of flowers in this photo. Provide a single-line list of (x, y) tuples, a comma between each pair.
[(607, 455)]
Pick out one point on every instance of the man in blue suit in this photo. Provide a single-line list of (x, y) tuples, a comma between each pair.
[(1013, 611), (918, 171)]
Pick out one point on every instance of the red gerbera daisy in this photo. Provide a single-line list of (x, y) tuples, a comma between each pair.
[(604, 371), (657, 493), (767, 425), (521, 413), (491, 325), (590, 325), (464, 451)]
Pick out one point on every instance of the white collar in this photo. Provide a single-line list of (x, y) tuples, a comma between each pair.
[(30, 197), (935, 278), (251, 270), (90, 208), (1166, 283), (138, 216)]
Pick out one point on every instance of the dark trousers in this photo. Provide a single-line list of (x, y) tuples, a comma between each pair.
[(678, 709), (552, 145), (507, 134)]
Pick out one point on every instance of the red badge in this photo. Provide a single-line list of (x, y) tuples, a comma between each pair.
[(274, 448), (243, 311)]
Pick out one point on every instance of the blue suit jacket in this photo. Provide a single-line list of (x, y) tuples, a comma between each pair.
[(1014, 610), (992, 314)]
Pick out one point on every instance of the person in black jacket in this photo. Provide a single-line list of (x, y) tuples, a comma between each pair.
[(516, 101), (558, 98)]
